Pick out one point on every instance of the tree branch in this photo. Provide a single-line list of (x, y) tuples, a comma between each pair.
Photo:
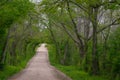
[(80, 6), (113, 23), (69, 33), (107, 26), (74, 24)]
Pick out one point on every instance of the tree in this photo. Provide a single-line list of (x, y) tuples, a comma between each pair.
[(8, 19)]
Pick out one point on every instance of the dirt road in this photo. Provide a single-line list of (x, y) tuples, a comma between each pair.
[(39, 68)]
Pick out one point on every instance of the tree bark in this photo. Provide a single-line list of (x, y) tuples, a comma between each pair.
[(95, 62)]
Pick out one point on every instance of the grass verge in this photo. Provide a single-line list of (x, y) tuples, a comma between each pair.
[(9, 71)]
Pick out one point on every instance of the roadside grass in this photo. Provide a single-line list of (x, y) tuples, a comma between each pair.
[(72, 71), (76, 74), (9, 71)]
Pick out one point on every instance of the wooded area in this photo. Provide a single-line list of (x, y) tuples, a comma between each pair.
[(82, 33)]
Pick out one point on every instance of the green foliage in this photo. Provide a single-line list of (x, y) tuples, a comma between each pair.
[(75, 17), (77, 74), (52, 57), (21, 37), (109, 56), (8, 71), (10, 12), (113, 6), (114, 53), (72, 71), (64, 49)]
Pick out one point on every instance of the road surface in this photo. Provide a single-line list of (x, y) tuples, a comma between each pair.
[(39, 68)]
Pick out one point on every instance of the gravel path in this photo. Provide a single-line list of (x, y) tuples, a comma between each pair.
[(39, 68)]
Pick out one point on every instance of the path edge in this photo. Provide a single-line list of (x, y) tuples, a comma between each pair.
[(60, 74)]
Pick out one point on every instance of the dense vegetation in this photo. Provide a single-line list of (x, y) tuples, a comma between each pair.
[(18, 35), (83, 36)]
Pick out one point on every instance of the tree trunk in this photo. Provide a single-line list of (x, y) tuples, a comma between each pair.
[(3, 56), (95, 62), (55, 42)]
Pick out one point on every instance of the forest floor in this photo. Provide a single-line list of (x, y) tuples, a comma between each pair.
[(39, 68)]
